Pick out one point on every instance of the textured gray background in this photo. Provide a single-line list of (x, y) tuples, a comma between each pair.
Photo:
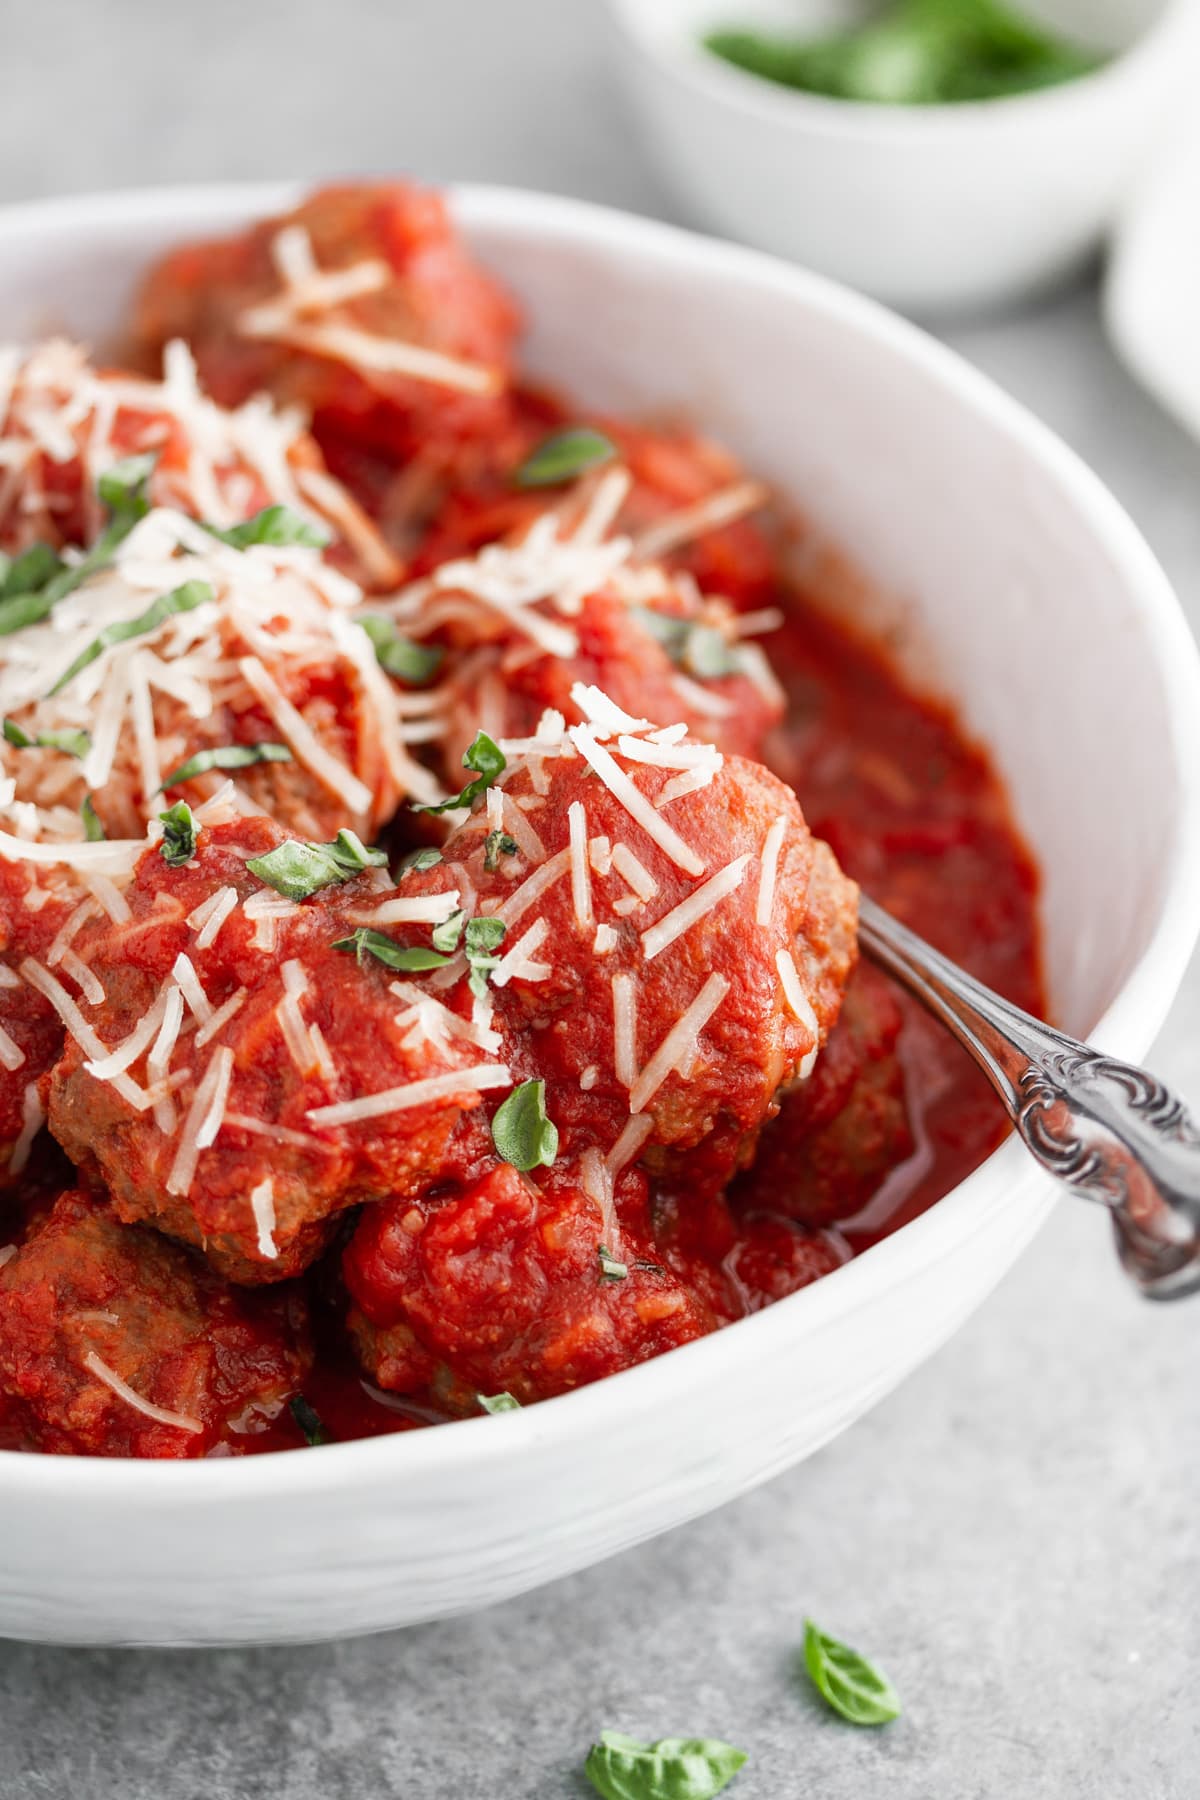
[(1013, 1533)]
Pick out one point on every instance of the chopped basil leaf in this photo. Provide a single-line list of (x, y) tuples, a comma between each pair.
[(416, 664), (309, 1421), (411, 960), (446, 935), (125, 491), (124, 488), (498, 1403), (564, 456), (700, 650), (185, 598), (611, 1267), (417, 860), (852, 1686), (914, 53), (623, 1768), (178, 844), (226, 756), (75, 743), (521, 1132), (496, 845), (297, 869), (273, 525), (482, 937), (93, 830), (487, 759), (27, 573)]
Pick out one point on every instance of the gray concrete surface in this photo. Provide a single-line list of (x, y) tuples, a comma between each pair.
[(1013, 1533)]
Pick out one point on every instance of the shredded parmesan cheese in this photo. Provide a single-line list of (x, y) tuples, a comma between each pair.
[(801, 1008), (203, 1120), (581, 886), (636, 1130), (33, 1117), (680, 1044), (262, 1205), (634, 801), (414, 1093), (772, 844), (721, 508), (699, 903), (96, 1366), (624, 996)]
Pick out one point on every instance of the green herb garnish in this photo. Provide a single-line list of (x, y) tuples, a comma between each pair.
[(498, 1403), (93, 830), (416, 860), (26, 573), (446, 935), (297, 869), (178, 844), (521, 1132), (185, 598), (74, 743), (611, 1267), (623, 1768), (411, 959), (273, 525), (482, 937), (125, 490), (700, 650), (417, 664), (852, 1686), (495, 845), (915, 53), (564, 456), (312, 1427), (226, 756), (487, 759)]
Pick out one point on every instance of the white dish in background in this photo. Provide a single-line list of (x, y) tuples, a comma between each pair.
[(932, 208), (1022, 590), (1152, 289)]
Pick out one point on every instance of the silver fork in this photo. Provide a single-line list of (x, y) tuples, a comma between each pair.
[(1111, 1132)]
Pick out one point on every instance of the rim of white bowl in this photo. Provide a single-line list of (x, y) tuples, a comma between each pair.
[(718, 82), (1126, 1028)]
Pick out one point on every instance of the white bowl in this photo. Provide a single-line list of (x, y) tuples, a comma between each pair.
[(1152, 290), (934, 209), (1023, 591)]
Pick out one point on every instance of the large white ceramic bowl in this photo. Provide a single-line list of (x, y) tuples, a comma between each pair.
[(932, 208), (1023, 591)]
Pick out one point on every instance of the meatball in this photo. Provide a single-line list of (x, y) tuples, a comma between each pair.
[(114, 1342), (673, 475), (66, 423), (840, 1135), (500, 1286), (361, 306), (238, 652), (637, 655), (237, 1032), (676, 941)]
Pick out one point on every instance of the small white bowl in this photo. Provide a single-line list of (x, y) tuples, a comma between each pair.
[(934, 209), (1152, 290), (1016, 585)]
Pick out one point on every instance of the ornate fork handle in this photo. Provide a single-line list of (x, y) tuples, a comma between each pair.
[(1110, 1131)]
